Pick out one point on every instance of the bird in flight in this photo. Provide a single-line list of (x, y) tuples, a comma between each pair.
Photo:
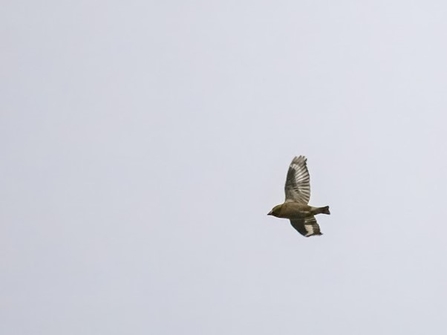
[(295, 207)]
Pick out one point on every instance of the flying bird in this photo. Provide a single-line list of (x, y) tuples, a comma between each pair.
[(295, 207)]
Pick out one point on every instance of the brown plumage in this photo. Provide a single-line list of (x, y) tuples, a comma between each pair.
[(295, 207)]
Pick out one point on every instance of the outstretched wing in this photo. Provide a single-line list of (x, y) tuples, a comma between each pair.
[(306, 227), (298, 181)]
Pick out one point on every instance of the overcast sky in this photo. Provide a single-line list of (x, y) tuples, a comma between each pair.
[(144, 142)]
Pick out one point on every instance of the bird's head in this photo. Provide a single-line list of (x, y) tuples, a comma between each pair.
[(275, 211)]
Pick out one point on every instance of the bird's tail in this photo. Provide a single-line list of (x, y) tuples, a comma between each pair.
[(325, 210)]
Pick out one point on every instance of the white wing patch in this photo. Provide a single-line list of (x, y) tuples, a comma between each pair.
[(309, 229)]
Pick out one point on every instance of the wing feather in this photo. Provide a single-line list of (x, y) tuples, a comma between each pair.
[(297, 186), (306, 227)]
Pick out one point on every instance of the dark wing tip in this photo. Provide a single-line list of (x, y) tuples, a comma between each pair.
[(315, 234)]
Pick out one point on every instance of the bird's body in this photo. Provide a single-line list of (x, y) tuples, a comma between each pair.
[(296, 210), (295, 207)]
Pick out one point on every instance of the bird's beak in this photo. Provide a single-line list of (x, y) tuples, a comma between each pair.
[(270, 213)]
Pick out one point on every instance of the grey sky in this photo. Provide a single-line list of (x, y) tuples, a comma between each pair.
[(144, 142)]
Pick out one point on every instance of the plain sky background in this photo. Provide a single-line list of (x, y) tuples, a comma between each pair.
[(143, 143)]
